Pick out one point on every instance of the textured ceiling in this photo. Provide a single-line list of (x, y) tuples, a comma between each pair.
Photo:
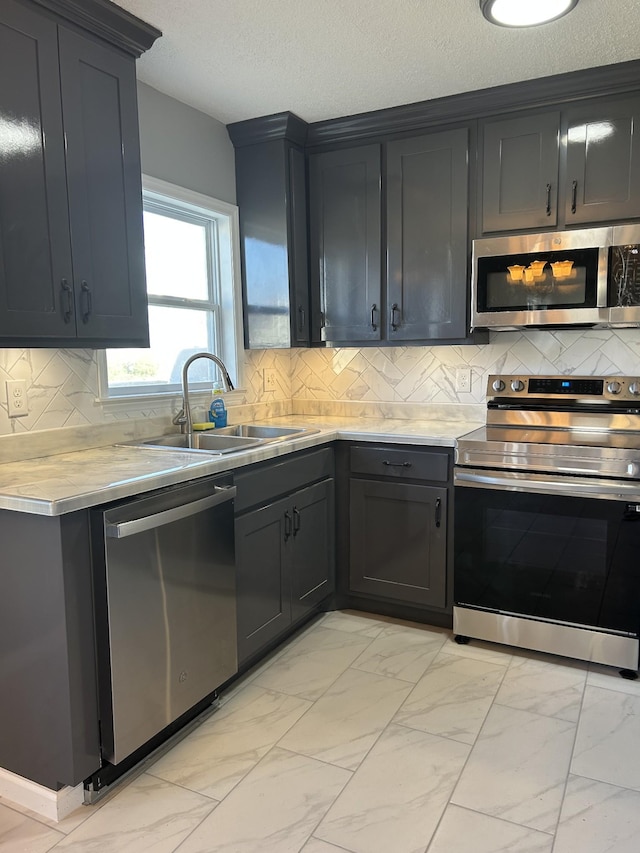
[(238, 59)]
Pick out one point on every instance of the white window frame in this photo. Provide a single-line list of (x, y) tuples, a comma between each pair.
[(225, 305)]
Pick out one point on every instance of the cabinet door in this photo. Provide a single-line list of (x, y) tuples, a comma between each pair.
[(427, 201), (345, 243), (313, 563), (398, 541), (35, 249), (104, 183), (603, 161), (520, 173), (298, 256), (263, 584)]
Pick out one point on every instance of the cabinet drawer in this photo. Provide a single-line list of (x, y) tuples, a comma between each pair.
[(397, 462), (263, 483)]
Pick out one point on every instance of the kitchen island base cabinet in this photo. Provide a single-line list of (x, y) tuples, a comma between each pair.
[(285, 555)]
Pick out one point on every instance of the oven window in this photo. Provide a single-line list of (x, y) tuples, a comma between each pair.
[(566, 559), (535, 282)]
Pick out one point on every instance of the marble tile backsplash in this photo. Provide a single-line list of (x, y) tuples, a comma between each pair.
[(62, 385)]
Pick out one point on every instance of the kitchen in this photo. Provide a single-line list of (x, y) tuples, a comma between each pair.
[(63, 384)]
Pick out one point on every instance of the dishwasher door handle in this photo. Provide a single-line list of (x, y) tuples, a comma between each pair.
[(149, 522)]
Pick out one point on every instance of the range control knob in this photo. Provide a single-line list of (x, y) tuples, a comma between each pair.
[(498, 385), (634, 388), (614, 387), (517, 385)]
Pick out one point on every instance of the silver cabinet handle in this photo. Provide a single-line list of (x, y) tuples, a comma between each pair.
[(159, 519)]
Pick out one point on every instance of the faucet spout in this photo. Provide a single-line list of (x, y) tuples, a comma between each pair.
[(184, 417)]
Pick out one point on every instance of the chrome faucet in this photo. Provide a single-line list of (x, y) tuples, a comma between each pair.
[(183, 418)]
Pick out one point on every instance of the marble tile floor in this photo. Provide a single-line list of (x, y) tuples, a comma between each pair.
[(372, 735)]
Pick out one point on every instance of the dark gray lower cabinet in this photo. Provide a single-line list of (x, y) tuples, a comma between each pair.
[(398, 546), (264, 602), (398, 524), (285, 553), (49, 729)]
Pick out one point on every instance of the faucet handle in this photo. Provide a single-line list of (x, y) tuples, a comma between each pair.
[(180, 418)]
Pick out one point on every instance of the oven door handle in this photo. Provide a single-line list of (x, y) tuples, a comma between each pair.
[(571, 487), (167, 516)]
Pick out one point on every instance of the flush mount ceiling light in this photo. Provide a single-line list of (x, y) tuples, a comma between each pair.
[(525, 13)]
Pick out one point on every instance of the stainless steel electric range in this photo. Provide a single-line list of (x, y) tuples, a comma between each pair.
[(547, 518)]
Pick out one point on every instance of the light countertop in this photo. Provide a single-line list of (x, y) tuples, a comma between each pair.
[(54, 485)]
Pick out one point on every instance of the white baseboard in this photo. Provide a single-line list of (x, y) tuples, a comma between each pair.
[(54, 805)]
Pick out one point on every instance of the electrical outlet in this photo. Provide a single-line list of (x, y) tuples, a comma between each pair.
[(269, 379), (463, 379), (17, 402)]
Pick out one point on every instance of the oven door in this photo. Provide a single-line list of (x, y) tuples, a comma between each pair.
[(560, 549)]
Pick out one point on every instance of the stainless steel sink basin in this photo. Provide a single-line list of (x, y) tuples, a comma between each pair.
[(265, 432), (231, 439), (203, 442)]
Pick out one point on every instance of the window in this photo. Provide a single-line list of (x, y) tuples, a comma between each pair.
[(191, 256)]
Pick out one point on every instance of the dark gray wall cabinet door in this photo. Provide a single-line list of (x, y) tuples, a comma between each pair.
[(272, 199), (36, 296), (263, 582), (427, 202), (312, 573), (346, 243), (520, 172), (398, 541), (104, 179), (603, 161), (103, 171)]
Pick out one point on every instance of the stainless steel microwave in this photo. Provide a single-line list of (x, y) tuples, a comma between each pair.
[(586, 277)]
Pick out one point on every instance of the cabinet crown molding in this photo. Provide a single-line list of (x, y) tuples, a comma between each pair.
[(540, 93), (253, 131), (106, 20)]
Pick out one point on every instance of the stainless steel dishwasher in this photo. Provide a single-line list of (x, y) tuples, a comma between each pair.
[(165, 588)]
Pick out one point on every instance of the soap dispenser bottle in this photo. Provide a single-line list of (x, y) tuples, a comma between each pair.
[(217, 409)]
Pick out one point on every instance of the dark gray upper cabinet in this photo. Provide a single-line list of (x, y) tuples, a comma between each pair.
[(602, 180), (427, 234), (520, 172), (272, 199), (562, 168), (71, 246), (422, 293), (345, 215), (100, 118)]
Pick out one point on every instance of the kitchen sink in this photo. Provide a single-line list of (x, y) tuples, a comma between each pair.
[(231, 439), (203, 442), (264, 432)]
